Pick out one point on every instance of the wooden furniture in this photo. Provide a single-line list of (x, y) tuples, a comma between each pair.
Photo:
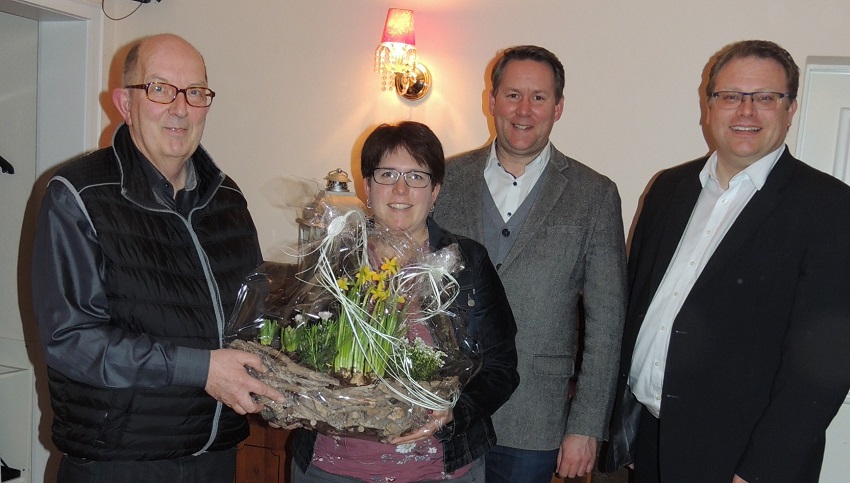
[(262, 457)]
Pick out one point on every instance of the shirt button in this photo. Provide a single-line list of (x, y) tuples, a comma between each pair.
[(514, 183), (498, 266), (657, 397), (657, 364), (506, 232), (708, 232), (663, 328)]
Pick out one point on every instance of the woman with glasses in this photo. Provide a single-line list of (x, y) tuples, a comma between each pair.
[(403, 167)]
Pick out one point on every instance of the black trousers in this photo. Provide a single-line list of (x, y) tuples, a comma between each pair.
[(213, 467)]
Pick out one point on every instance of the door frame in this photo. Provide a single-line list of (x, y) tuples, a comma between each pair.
[(823, 141), (68, 123), (70, 74)]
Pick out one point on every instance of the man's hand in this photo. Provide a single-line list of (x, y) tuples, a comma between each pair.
[(230, 383), (435, 423), (577, 456), (738, 479)]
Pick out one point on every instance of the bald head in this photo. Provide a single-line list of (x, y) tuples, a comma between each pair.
[(164, 41), (166, 132)]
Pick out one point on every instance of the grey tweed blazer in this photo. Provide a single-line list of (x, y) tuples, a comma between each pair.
[(571, 247)]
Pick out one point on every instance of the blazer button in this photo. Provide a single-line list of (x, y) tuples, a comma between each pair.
[(506, 232)]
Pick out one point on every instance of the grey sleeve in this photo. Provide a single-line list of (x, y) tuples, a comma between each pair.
[(78, 335), (604, 294)]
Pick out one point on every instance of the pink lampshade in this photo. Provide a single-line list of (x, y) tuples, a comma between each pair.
[(399, 27)]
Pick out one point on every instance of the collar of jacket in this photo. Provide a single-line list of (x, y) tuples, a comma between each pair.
[(134, 182)]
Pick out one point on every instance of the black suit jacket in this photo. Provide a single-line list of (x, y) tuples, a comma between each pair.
[(759, 355)]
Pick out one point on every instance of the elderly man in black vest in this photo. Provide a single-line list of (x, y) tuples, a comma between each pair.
[(140, 251)]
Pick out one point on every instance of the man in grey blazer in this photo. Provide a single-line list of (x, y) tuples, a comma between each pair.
[(553, 228)]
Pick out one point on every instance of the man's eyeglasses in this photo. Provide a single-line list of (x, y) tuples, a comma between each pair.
[(414, 179), (761, 100), (163, 93)]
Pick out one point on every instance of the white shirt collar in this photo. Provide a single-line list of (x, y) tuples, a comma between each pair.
[(535, 166), (756, 172)]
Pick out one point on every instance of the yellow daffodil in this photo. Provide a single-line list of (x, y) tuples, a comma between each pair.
[(363, 275), (379, 293), (390, 266), (342, 283)]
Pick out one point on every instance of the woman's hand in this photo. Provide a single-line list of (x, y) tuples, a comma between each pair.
[(437, 420), (288, 427)]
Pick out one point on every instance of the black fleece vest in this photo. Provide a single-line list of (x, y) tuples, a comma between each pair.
[(169, 277)]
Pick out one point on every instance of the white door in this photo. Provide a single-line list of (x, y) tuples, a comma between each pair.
[(824, 142), (50, 75), (824, 137)]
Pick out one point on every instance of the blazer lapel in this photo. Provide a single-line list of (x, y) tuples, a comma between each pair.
[(682, 202), (751, 218), (554, 182)]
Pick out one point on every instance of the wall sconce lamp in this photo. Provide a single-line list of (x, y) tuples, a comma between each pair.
[(396, 58)]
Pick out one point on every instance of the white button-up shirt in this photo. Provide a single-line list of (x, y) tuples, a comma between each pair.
[(508, 191), (715, 212)]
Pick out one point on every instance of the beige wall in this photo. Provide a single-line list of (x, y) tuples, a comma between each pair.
[(297, 92)]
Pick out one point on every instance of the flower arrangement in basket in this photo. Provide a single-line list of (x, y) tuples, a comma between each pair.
[(358, 336)]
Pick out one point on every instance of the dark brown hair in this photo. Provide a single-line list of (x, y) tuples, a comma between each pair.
[(529, 52), (762, 49), (414, 137)]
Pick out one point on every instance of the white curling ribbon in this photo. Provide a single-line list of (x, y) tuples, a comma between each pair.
[(440, 291)]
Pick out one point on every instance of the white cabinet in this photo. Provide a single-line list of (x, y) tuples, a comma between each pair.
[(16, 385), (18, 102)]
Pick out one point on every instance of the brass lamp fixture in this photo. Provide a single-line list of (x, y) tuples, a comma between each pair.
[(396, 58)]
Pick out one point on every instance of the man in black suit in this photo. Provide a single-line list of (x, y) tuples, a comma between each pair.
[(737, 339)]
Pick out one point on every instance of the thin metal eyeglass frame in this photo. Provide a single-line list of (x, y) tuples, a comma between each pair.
[(403, 175), (177, 92), (716, 96)]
